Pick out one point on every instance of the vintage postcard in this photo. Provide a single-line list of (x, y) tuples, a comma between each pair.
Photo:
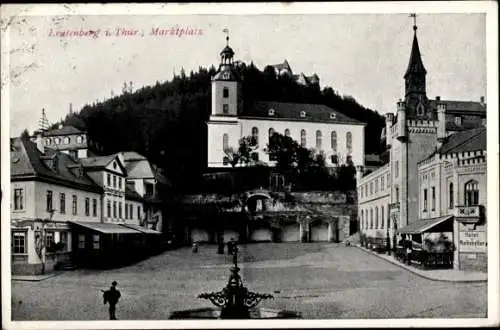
[(249, 165)]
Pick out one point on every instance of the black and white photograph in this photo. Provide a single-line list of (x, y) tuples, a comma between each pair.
[(288, 165)]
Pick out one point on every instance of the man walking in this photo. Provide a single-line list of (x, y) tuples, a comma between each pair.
[(112, 296)]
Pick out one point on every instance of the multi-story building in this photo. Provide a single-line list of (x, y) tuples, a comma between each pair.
[(83, 203), (452, 185), (420, 127), (312, 125), (48, 189)]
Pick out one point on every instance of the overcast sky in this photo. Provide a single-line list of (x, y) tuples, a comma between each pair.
[(363, 55)]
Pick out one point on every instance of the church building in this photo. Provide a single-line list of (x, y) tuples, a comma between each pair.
[(314, 126)]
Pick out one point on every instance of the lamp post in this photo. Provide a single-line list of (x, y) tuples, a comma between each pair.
[(41, 248)]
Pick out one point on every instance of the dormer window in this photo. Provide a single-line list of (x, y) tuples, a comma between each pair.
[(302, 114), (79, 139), (271, 112), (333, 115)]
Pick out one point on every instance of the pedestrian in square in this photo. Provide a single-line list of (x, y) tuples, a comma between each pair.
[(195, 247), (112, 296)]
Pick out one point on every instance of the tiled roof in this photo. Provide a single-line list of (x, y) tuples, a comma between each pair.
[(27, 160), (292, 111), (65, 130), (139, 169), (460, 106), (469, 140), (99, 161), (415, 64), (132, 155), (132, 194)]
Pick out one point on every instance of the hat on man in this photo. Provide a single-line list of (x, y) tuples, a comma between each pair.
[(114, 283)]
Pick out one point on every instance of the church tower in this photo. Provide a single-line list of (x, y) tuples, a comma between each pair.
[(223, 126), (226, 91), (417, 104)]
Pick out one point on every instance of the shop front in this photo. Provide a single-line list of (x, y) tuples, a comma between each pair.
[(427, 243), (105, 245)]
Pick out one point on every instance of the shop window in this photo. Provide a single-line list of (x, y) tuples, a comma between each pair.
[(49, 239), (18, 242), (81, 241), (95, 242)]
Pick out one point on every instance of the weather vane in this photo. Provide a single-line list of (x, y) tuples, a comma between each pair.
[(226, 31), (414, 16)]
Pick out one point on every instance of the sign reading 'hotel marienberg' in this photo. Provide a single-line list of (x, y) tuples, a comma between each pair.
[(472, 241)]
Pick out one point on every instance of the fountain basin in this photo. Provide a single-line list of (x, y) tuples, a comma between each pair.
[(215, 313)]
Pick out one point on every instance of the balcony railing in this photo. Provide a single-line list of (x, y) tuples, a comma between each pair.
[(473, 211)]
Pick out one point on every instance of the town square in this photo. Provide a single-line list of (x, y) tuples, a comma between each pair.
[(201, 171)]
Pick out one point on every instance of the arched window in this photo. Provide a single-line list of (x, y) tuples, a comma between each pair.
[(371, 218), (450, 193), (287, 132), (382, 219), (471, 193), (376, 217), (348, 142), (303, 138), (318, 139), (334, 141), (271, 133), (225, 92), (255, 135), (225, 142)]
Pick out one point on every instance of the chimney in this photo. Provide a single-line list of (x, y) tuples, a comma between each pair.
[(441, 131), (481, 100), (401, 134), (39, 142)]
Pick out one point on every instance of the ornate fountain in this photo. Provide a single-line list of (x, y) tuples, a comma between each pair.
[(234, 301)]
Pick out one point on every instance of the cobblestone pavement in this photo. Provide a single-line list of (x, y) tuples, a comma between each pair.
[(318, 280)]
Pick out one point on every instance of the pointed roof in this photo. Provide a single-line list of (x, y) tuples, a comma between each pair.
[(415, 64), (469, 140)]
